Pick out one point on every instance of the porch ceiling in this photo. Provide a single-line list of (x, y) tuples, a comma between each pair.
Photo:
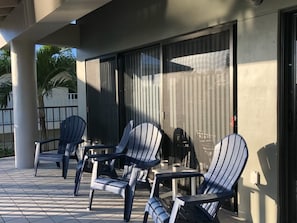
[(6, 7), (35, 20)]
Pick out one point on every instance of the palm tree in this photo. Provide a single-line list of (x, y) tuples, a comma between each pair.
[(5, 78), (55, 68)]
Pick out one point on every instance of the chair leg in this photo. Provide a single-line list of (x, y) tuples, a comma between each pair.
[(76, 183), (148, 185), (65, 164), (91, 195), (145, 217), (76, 157), (78, 176), (36, 157), (128, 205), (63, 168), (35, 168)]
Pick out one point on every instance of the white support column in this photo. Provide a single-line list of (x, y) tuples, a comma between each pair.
[(23, 69)]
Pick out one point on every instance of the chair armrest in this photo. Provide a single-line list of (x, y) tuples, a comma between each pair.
[(145, 164), (176, 175), (105, 157), (160, 177), (197, 200), (99, 147), (38, 148), (46, 141), (206, 198), (38, 145)]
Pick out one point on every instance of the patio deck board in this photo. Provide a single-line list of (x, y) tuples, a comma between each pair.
[(48, 198)]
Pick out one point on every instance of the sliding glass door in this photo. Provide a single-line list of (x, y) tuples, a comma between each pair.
[(198, 91), (288, 117), (187, 85), (142, 85), (102, 100)]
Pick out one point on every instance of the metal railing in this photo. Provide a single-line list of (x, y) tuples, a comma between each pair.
[(53, 118)]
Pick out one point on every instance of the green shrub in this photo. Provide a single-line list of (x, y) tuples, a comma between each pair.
[(4, 152)]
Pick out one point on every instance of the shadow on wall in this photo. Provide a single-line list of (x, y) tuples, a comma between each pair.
[(102, 116), (267, 156), (266, 189), (183, 151), (181, 148)]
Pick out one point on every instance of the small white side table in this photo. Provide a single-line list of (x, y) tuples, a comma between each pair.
[(177, 168)]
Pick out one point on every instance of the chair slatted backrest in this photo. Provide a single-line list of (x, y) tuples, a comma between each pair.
[(144, 143), (229, 158), (120, 148), (71, 130), (125, 137)]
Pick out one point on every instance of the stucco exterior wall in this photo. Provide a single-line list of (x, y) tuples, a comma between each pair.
[(81, 89), (257, 114), (122, 25)]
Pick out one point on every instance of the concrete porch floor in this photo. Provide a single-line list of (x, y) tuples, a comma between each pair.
[(48, 198)]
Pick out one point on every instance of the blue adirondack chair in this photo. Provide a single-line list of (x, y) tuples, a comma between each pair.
[(141, 155), (71, 132), (104, 168), (228, 162)]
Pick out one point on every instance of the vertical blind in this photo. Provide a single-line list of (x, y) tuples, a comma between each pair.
[(102, 101), (108, 101), (197, 93), (142, 85), (197, 90)]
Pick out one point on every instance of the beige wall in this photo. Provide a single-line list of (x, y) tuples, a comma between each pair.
[(122, 25), (257, 114)]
